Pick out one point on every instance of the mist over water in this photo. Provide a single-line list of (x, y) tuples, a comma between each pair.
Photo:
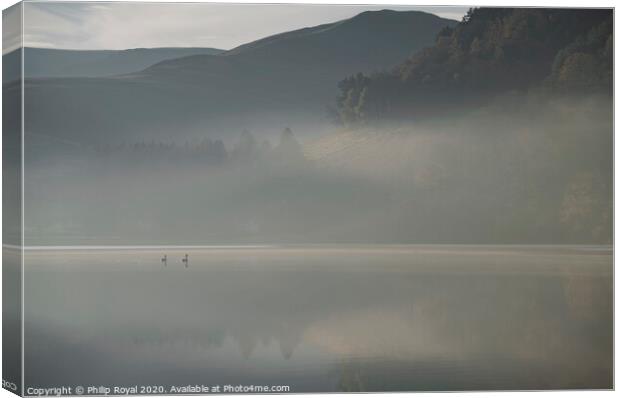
[(527, 169)]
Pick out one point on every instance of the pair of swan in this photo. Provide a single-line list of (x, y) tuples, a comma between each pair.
[(185, 260)]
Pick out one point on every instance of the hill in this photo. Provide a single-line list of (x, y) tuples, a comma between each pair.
[(305, 65), (286, 79)]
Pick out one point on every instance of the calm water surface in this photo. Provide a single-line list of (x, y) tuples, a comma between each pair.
[(321, 318)]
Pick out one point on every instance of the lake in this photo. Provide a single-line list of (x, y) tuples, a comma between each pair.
[(321, 318)]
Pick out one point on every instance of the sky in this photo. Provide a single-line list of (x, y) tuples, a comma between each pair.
[(106, 25)]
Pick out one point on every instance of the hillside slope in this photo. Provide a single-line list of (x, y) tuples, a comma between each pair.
[(491, 52)]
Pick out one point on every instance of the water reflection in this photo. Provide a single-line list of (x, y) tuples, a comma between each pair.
[(323, 318)]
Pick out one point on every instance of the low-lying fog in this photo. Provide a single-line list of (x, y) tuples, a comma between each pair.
[(523, 170)]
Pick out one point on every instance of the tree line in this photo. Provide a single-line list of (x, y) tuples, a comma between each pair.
[(213, 151)]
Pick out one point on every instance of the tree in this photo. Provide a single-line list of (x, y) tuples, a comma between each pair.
[(288, 142), (216, 151), (289, 150), (246, 146)]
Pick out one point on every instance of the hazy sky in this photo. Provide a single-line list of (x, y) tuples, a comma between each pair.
[(131, 25)]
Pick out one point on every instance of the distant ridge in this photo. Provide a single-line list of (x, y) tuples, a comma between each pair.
[(49, 62)]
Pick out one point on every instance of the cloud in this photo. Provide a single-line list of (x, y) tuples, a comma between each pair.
[(134, 25)]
